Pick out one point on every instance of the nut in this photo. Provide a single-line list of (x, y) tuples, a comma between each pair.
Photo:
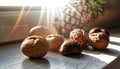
[(97, 29), (54, 41), (79, 35), (35, 46), (99, 38), (106, 31), (40, 31), (70, 47)]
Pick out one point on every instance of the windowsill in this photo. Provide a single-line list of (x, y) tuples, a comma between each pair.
[(12, 57)]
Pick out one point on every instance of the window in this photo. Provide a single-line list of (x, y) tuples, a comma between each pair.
[(18, 16)]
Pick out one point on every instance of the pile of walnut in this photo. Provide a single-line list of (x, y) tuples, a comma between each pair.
[(41, 41)]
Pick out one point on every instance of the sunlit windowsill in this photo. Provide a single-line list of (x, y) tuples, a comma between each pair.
[(88, 59), (10, 51)]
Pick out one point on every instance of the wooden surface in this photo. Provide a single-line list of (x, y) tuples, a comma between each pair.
[(11, 57)]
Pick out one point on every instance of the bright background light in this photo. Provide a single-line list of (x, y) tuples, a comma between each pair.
[(45, 3)]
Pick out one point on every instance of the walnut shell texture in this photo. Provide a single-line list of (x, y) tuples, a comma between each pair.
[(80, 36), (35, 46), (40, 31), (54, 41)]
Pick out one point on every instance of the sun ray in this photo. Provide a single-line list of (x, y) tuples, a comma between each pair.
[(48, 18), (41, 15), (18, 21), (49, 9), (28, 11)]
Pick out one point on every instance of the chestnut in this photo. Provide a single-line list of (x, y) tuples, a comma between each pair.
[(97, 29), (70, 47), (34, 46), (98, 38), (54, 41), (106, 31)]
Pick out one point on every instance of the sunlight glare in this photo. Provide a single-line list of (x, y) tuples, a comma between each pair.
[(51, 7), (44, 3), (54, 3)]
